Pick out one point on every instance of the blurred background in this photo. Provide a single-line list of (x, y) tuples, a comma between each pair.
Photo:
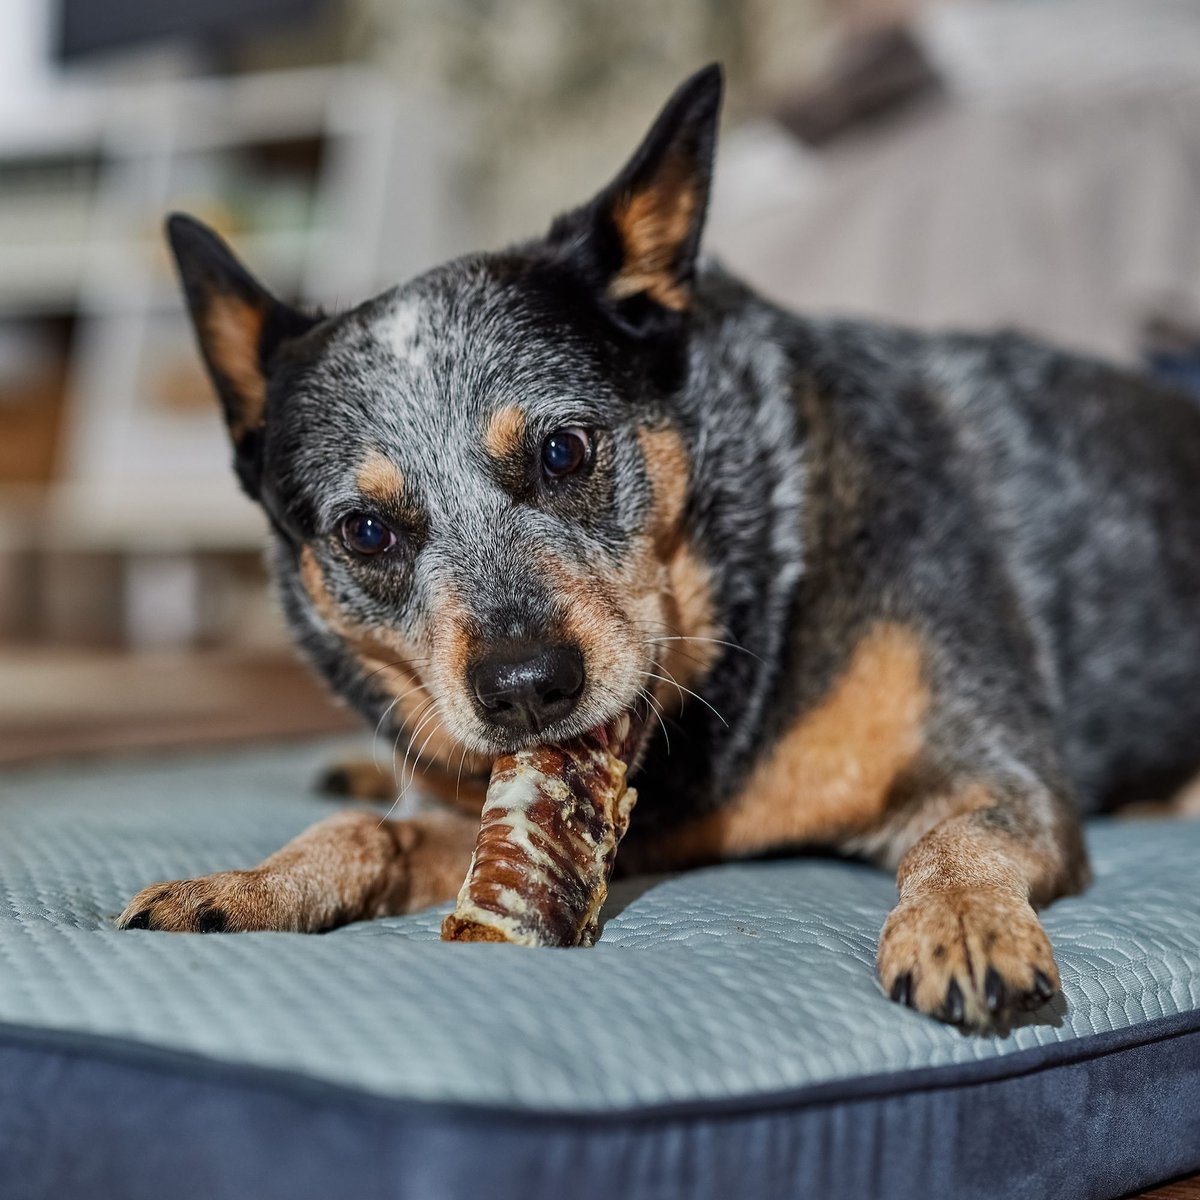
[(975, 163)]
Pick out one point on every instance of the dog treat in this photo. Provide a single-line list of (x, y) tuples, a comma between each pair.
[(552, 821)]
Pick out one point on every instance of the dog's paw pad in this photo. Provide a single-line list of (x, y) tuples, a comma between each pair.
[(228, 902), (972, 958)]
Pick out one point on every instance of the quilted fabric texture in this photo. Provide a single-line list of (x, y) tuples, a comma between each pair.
[(721, 983)]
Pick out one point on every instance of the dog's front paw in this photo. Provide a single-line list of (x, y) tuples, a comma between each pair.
[(228, 902), (972, 958)]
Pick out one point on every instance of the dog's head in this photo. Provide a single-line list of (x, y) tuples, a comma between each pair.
[(478, 481)]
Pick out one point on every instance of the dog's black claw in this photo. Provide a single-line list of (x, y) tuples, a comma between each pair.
[(902, 989), (993, 990), (336, 781), (212, 920), (139, 920), (1042, 985), (953, 1008)]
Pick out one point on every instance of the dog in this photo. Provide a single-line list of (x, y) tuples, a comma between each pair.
[(923, 599)]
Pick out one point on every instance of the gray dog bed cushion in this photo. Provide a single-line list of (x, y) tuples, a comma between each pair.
[(725, 1038)]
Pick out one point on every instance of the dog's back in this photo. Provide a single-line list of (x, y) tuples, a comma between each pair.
[(1087, 478)]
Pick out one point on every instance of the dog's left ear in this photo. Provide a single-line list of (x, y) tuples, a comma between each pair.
[(637, 242)]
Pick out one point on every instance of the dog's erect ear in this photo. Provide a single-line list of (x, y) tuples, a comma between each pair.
[(239, 326), (638, 240)]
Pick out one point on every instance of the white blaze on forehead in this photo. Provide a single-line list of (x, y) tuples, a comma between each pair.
[(399, 331)]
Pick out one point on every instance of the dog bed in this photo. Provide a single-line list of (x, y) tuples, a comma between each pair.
[(725, 1038)]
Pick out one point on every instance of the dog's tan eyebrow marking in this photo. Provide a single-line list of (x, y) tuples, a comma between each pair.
[(233, 328), (505, 432), (380, 479)]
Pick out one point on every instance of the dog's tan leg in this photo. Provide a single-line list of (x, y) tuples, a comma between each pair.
[(1187, 801), (362, 779), (964, 943), (1184, 803), (349, 867), (358, 779)]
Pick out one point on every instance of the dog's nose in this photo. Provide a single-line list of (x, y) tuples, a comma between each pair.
[(527, 686)]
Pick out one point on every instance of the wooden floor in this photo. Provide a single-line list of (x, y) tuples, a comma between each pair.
[(56, 703), (1181, 1189)]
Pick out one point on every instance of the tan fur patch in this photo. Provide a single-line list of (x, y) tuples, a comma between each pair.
[(349, 867), (313, 579), (957, 854), (505, 432), (668, 469), (380, 479), (653, 224), (232, 331), (828, 776), (689, 608)]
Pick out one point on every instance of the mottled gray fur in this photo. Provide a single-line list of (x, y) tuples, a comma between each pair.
[(1032, 515)]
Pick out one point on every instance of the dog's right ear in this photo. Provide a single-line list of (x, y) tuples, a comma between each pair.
[(239, 327)]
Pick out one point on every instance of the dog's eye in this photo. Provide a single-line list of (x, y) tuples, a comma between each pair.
[(565, 451), (366, 535)]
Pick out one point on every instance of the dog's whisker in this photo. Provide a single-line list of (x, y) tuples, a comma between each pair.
[(424, 709), (462, 758), (682, 690), (375, 735), (417, 687), (657, 710), (398, 665), (430, 715), (682, 637), (417, 760), (700, 662), (399, 734)]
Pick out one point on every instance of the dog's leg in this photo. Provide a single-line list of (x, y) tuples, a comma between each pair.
[(362, 779), (964, 943), (1185, 803), (358, 779), (349, 867)]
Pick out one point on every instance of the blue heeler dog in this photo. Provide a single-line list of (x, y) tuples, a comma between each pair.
[(922, 599)]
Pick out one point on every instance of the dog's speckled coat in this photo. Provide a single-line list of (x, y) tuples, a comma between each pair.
[(921, 598)]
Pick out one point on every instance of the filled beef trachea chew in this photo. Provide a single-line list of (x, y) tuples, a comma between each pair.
[(552, 821)]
